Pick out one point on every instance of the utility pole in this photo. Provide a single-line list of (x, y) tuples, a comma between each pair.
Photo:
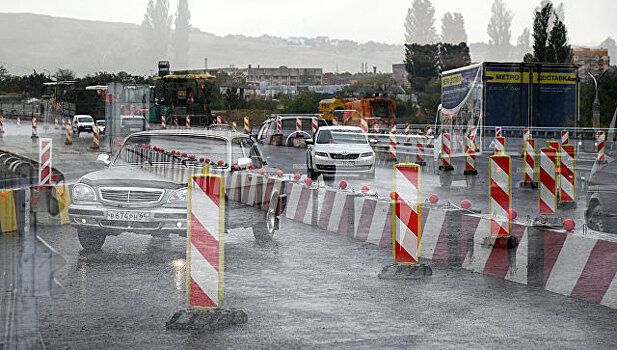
[(596, 105)]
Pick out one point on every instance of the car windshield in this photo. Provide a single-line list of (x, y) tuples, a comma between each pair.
[(85, 119), (341, 137), (100, 122), (214, 149)]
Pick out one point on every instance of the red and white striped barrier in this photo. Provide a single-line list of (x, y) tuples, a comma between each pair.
[(18, 121), (392, 143), (63, 124), (314, 126), (219, 120), (420, 149), (372, 220), (547, 187), (407, 133), (526, 135), (301, 200), (446, 147), (407, 215), (567, 183), (34, 131), (1, 124), (234, 127), (470, 156), (247, 126), (500, 194), (188, 121), (376, 128), (498, 132), (334, 121), (336, 212), (298, 124), (364, 124), (95, 137), (279, 125), (530, 160), (500, 145), (68, 133), (565, 137), (163, 122), (205, 241), (429, 135), (56, 123), (600, 149), (45, 170)]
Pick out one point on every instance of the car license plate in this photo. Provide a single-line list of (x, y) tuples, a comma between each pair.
[(345, 163), (128, 215)]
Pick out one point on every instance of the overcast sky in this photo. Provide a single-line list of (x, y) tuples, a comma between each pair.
[(588, 21)]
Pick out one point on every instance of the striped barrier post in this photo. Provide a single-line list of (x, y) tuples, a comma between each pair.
[(470, 156), (498, 132), (1, 124), (247, 125), (407, 138), (376, 128), (567, 193), (163, 121), (526, 135), (188, 121), (279, 125), (205, 241), (429, 135), (45, 169), (500, 145), (314, 126), (600, 146), (35, 133), (334, 121), (446, 147), (19, 122), (219, 120), (176, 122), (500, 194), (420, 149), (298, 124), (364, 125), (555, 144), (529, 150), (565, 137), (56, 123), (63, 124), (95, 137), (392, 143), (68, 133), (407, 216), (547, 178), (234, 126)]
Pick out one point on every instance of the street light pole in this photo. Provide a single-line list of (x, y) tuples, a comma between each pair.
[(596, 104)]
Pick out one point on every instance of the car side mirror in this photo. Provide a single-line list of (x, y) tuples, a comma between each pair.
[(103, 158), (244, 162)]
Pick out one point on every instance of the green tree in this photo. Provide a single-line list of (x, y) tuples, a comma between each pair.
[(302, 102), (453, 56), (421, 64), (498, 30), (540, 32), (453, 28), (63, 74), (558, 50), (156, 28), (180, 37), (420, 23), (607, 95)]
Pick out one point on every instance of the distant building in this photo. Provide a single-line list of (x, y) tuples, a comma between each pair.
[(594, 61), (284, 75)]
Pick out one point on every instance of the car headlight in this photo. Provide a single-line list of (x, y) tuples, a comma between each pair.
[(83, 192), (178, 196), (366, 154), (321, 154)]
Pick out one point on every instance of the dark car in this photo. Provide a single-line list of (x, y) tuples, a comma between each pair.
[(134, 195), (601, 212)]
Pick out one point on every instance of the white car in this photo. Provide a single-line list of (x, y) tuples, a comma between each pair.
[(340, 149), (81, 123)]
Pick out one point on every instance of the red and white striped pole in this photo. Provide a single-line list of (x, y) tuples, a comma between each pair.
[(407, 131), (364, 124), (334, 121), (529, 150), (247, 126), (19, 121), (95, 137), (500, 194), (314, 126), (429, 135), (407, 214), (498, 132), (547, 187), (279, 125), (376, 128), (298, 124), (188, 121), (205, 241), (470, 156), (45, 161), (600, 146), (1, 124), (446, 149), (565, 137), (234, 126), (163, 122), (63, 124), (35, 133), (420, 149), (68, 133), (567, 183), (56, 123), (500, 145), (219, 120), (392, 143)]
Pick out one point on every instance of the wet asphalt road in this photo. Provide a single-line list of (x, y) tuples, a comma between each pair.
[(306, 289)]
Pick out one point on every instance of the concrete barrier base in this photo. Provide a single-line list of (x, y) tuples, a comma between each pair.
[(195, 320), (405, 272)]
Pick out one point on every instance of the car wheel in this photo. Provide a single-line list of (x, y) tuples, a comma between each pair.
[(371, 175), (310, 172), (91, 240), (264, 230), (594, 218)]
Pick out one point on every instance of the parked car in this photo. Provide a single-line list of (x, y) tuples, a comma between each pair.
[(82, 123), (340, 149), (131, 124), (101, 125), (269, 135), (127, 197), (601, 211)]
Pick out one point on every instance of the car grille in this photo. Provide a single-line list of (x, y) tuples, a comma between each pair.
[(344, 156), (131, 195)]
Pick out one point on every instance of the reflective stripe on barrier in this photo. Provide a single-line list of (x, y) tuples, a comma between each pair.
[(163, 122), (470, 153), (336, 211), (34, 131), (392, 143), (600, 150), (547, 197), (565, 137), (95, 137), (446, 146), (498, 132), (500, 145), (364, 124), (500, 194), (406, 216), (219, 120), (530, 160), (247, 126), (205, 241), (567, 183), (68, 133), (45, 157), (188, 122), (420, 148), (234, 126)]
